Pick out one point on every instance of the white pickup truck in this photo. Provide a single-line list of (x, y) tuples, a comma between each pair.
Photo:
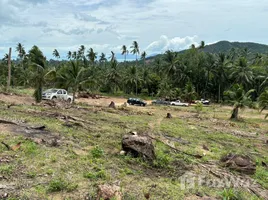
[(178, 103), (52, 94)]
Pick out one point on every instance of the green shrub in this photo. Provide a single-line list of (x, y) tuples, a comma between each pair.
[(198, 107), (57, 185), (97, 152)]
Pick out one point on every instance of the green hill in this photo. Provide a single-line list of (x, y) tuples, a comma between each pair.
[(225, 46)]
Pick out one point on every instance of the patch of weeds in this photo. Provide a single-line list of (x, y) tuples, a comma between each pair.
[(30, 148), (98, 174), (6, 169), (127, 171), (261, 176), (57, 185), (230, 194), (163, 160), (97, 152), (31, 174)]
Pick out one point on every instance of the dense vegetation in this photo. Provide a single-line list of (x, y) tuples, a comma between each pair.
[(189, 75)]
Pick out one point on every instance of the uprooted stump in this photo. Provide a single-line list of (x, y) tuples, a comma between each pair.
[(137, 145), (109, 192), (239, 163), (112, 105)]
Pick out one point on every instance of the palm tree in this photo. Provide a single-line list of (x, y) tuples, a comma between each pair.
[(132, 78), (113, 76), (112, 57), (81, 52), (143, 57), (69, 55), (263, 101), (21, 51), (239, 98), (220, 71), (242, 73), (171, 59), (135, 50), (73, 75), (56, 54), (102, 58), (74, 55), (92, 56), (189, 92), (37, 61), (124, 51)]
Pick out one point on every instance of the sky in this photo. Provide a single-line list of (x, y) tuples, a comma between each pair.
[(106, 25)]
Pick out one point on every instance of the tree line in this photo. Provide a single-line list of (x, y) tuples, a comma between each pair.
[(237, 75)]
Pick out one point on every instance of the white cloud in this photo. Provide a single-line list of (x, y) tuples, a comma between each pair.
[(176, 44)]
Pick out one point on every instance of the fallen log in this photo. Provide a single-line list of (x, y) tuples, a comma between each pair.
[(178, 150)]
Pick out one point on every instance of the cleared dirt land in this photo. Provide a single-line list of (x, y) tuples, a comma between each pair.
[(66, 152)]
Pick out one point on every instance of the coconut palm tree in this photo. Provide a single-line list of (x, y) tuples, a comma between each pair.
[(92, 56), (143, 57), (171, 60), (38, 73), (102, 58), (69, 55), (189, 93), (132, 78), (56, 54), (239, 98), (73, 75), (263, 101), (74, 55), (242, 73), (21, 51), (81, 52), (135, 50), (112, 57), (124, 51), (113, 76), (221, 65)]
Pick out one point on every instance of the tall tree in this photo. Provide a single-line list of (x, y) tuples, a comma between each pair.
[(37, 61), (21, 51), (239, 98), (112, 57), (73, 75), (242, 73), (69, 55), (143, 57), (56, 54), (222, 64), (124, 51), (92, 56), (135, 50), (81, 52)]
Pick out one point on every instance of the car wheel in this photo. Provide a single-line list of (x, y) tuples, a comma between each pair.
[(54, 98), (69, 100)]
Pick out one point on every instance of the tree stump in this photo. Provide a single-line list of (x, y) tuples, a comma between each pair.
[(112, 105), (169, 115), (138, 145)]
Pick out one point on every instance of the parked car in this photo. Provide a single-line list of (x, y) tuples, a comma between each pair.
[(135, 101), (178, 103), (203, 101), (52, 94), (162, 102)]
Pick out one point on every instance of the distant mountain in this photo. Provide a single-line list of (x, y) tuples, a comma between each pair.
[(225, 46)]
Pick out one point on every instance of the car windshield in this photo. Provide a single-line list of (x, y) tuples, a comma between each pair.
[(51, 91)]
